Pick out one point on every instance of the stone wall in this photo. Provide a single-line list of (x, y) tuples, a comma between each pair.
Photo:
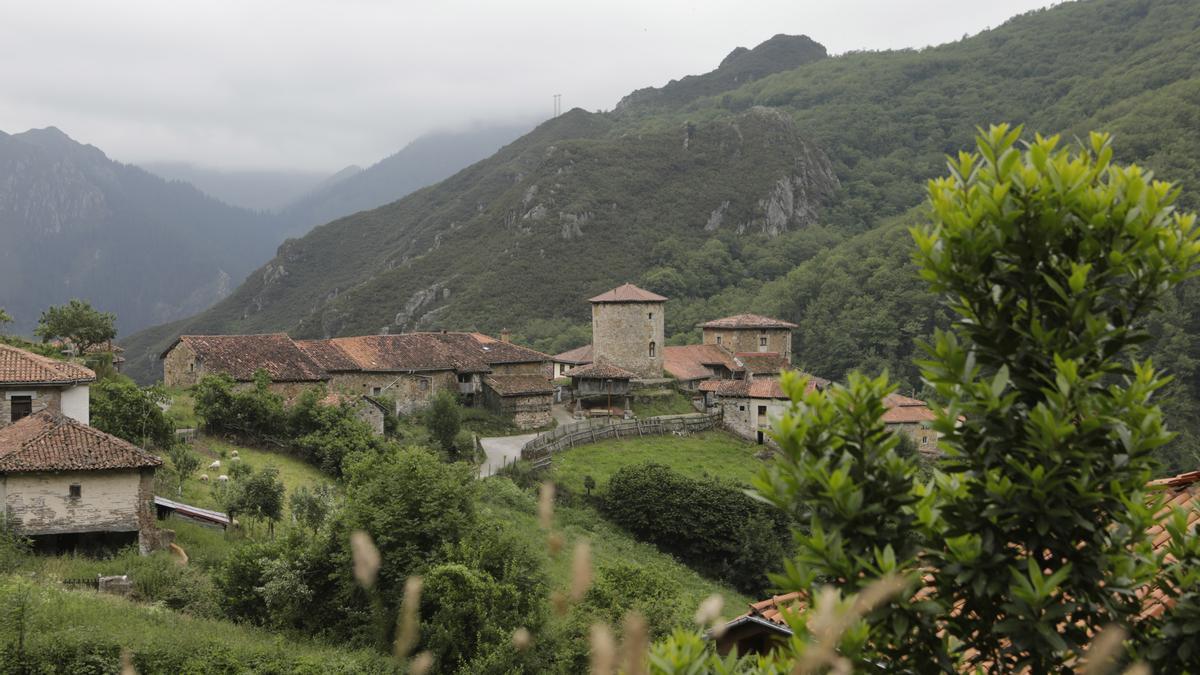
[(371, 414), (741, 416), (750, 340), (923, 437), (46, 397), (180, 368), (527, 412), (109, 501), (622, 333), (411, 391)]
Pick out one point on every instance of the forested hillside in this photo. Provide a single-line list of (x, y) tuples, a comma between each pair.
[(785, 193)]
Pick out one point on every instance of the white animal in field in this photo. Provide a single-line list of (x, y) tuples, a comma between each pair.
[(234, 453), (235, 458), (203, 478), (215, 465), (223, 478)]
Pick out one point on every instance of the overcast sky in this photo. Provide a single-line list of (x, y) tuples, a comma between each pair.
[(320, 84)]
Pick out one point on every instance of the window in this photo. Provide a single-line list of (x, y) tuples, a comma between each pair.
[(650, 316), (718, 339), (762, 410), (464, 379), (423, 384), (762, 340), (21, 407), (192, 367), (76, 491), (741, 408), (652, 349), (375, 391)]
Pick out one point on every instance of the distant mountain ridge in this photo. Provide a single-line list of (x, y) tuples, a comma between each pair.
[(257, 190), (76, 224)]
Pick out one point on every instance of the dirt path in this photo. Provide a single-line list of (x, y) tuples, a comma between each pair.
[(501, 450)]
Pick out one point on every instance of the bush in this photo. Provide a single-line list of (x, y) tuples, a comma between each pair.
[(444, 420), (713, 527), (119, 407)]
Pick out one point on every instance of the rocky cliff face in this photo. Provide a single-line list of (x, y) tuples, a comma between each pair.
[(76, 224)]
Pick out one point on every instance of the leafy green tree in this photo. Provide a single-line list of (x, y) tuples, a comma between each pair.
[(77, 322), (5, 318), (444, 420), (311, 507), (1031, 538), (259, 495), (121, 408), (185, 462)]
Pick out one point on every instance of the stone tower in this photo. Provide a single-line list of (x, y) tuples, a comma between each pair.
[(628, 330)]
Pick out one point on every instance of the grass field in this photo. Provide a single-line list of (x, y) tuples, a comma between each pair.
[(709, 454), (609, 544), (83, 631), (661, 402)]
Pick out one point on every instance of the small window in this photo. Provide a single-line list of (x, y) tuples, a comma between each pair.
[(650, 316), (718, 339), (76, 491), (464, 379), (652, 349), (375, 391), (192, 367), (20, 407), (742, 408), (762, 340), (423, 384), (762, 410)]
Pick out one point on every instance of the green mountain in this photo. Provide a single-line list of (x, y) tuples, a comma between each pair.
[(778, 188)]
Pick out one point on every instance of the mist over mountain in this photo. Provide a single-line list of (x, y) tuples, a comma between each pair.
[(76, 224), (421, 163), (257, 190)]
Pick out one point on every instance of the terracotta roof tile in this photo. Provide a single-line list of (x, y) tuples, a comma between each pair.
[(600, 371), (906, 410), (628, 293), (240, 356), (519, 385), (758, 387), (49, 441), (579, 355), (763, 363), (327, 355), (748, 321), (18, 366), (689, 362), (497, 351)]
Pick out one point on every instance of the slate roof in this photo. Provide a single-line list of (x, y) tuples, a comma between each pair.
[(687, 362), (759, 387), (241, 355), (747, 321), (49, 441), (765, 363), (628, 293), (600, 371), (906, 410), (18, 366), (579, 355), (519, 385)]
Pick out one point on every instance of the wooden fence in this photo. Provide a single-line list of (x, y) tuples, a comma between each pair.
[(540, 449)]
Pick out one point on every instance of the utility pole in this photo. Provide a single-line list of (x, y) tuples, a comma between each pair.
[(557, 105)]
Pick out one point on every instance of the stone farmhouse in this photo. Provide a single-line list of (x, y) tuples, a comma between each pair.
[(749, 405), (408, 369), (62, 482), (628, 330), (31, 383)]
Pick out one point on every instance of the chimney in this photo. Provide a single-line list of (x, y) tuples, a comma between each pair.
[(505, 335)]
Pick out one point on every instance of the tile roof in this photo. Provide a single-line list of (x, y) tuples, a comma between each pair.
[(49, 441), (600, 371), (758, 387), (498, 351), (240, 356), (748, 321), (687, 362), (906, 410), (579, 355), (519, 385), (327, 355), (18, 366), (763, 363), (628, 293)]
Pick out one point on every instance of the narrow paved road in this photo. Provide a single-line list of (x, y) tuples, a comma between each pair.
[(501, 450)]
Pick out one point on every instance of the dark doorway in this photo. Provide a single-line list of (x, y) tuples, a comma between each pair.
[(21, 407), (760, 438)]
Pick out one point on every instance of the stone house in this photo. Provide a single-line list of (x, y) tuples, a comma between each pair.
[(692, 364), (628, 330), (572, 358), (66, 484), (743, 333), (913, 418), (191, 357), (524, 398), (748, 406), (31, 383), (368, 410)]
